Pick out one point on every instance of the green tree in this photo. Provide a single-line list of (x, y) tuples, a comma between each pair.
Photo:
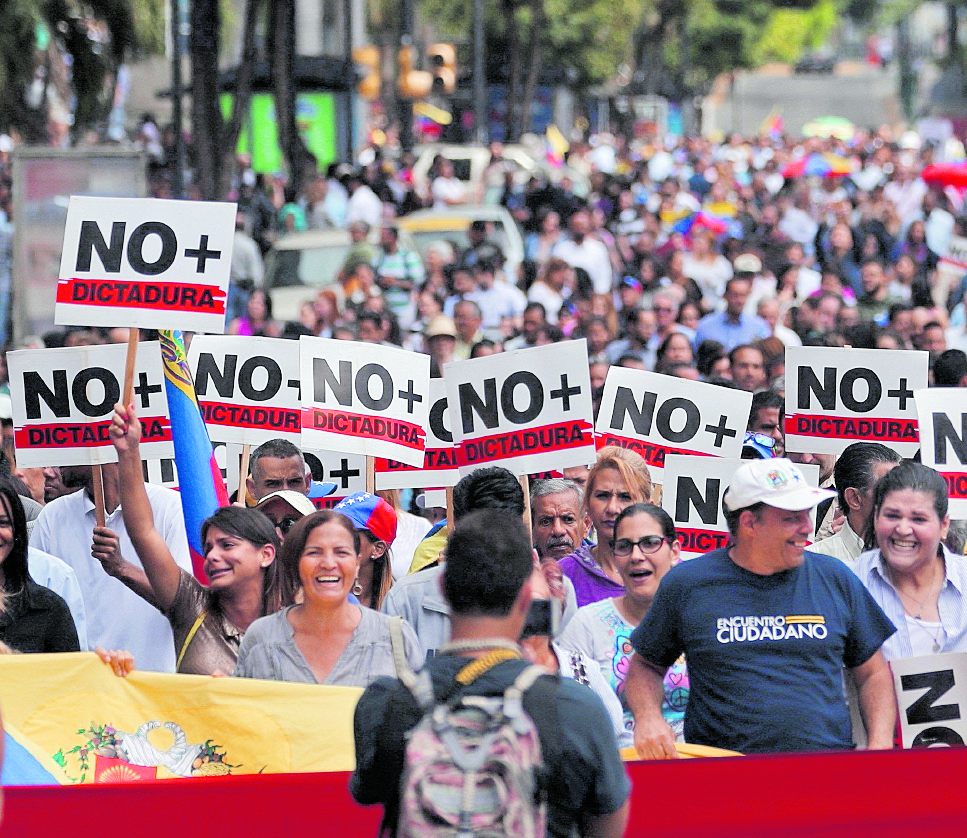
[(96, 35)]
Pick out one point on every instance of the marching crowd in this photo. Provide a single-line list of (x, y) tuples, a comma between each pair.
[(696, 260)]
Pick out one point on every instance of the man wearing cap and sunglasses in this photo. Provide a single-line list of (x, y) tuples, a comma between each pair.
[(766, 629)]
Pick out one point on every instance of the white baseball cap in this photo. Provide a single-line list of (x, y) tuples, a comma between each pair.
[(775, 482), (298, 501)]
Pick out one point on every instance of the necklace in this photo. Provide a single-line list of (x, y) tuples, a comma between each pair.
[(498, 649), (934, 637), (917, 602)]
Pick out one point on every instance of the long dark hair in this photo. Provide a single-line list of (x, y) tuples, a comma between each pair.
[(15, 571), (295, 543), (257, 529)]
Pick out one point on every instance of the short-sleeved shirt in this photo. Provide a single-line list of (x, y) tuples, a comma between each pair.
[(601, 632), (269, 651), (586, 775), (214, 644), (765, 652)]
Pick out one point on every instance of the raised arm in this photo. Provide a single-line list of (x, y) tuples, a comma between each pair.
[(159, 566)]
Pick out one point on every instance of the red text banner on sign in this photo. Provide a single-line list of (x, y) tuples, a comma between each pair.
[(119, 293), (840, 795)]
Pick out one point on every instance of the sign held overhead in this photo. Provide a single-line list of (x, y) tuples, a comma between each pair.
[(527, 410), (835, 397), (146, 263), (656, 415)]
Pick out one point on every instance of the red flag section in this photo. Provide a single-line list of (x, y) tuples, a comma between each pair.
[(840, 795)]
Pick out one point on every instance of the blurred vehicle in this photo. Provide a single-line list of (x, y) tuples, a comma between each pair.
[(470, 163), (816, 62), (451, 225), (299, 265)]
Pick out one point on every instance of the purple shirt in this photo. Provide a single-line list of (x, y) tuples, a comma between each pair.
[(591, 584)]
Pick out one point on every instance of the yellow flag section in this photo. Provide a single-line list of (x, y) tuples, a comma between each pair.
[(101, 728)]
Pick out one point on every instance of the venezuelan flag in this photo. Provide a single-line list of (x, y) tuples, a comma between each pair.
[(199, 478)]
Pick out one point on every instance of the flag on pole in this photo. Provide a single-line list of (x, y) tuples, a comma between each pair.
[(199, 477)]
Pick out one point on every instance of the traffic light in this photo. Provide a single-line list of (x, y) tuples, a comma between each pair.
[(368, 60), (443, 65), (411, 83)]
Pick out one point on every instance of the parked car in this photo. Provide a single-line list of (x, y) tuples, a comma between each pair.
[(816, 62), (427, 226), (299, 265), (471, 161)]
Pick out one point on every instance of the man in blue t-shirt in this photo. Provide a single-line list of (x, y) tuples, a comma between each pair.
[(766, 629)]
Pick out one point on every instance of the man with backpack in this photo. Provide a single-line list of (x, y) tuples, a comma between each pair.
[(479, 740)]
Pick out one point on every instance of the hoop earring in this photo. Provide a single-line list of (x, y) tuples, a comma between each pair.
[(357, 588)]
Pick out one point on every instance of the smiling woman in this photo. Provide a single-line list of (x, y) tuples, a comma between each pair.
[(32, 617), (325, 639), (912, 575)]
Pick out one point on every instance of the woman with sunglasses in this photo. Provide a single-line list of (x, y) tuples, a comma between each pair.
[(240, 546), (645, 547)]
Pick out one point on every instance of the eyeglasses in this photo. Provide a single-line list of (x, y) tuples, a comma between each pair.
[(285, 524), (647, 544)]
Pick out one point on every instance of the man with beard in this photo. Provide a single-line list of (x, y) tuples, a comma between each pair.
[(117, 595), (559, 521)]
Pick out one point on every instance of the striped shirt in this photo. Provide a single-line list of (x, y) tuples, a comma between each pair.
[(952, 603)]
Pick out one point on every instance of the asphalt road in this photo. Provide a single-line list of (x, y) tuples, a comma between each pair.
[(864, 95)]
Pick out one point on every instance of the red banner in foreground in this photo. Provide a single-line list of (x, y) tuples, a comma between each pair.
[(845, 795)]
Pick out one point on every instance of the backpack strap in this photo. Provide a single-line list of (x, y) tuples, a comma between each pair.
[(514, 695), (403, 671)]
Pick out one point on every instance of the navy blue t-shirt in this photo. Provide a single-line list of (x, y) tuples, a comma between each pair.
[(764, 653)]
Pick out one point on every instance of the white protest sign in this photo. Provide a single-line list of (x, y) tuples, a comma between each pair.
[(656, 415), (932, 694), (692, 494), (440, 456), (145, 262), (362, 398), (527, 410), (164, 472), (247, 388), (951, 267), (835, 397), (347, 471), (63, 402), (942, 412)]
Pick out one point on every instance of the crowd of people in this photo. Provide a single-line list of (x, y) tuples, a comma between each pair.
[(693, 259)]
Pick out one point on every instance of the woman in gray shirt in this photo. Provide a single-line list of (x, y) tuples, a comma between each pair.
[(325, 639)]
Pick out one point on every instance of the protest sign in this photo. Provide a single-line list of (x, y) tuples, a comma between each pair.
[(942, 413), (657, 415), (360, 398), (347, 471), (145, 263), (835, 397), (692, 494), (63, 401), (951, 269), (527, 410), (932, 694), (247, 388), (440, 456)]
